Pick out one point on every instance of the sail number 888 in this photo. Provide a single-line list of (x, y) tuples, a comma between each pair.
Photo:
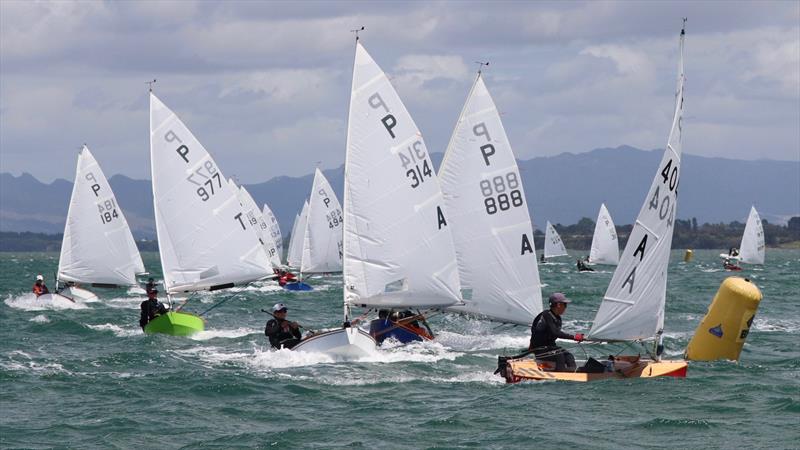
[(501, 193)]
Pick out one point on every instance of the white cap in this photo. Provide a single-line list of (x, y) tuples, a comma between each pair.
[(278, 306), (39, 278)]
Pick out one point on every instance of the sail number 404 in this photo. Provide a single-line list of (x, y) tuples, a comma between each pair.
[(501, 193)]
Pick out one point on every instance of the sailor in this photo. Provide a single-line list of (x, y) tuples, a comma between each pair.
[(733, 252), (39, 288), (582, 267), (151, 308), (281, 332), (378, 328), (151, 284), (546, 328)]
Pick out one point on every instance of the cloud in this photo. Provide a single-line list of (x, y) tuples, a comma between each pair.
[(250, 78)]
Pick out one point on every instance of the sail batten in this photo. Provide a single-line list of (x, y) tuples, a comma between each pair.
[(202, 238), (487, 210), (633, 305), (396, 234), (98, 246)]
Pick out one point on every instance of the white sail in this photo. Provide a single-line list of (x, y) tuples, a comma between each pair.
[(605, 248), (291, 237), (322, 246), (398, 250), (488, 216), (633, 306), (751, 251), (295, 256), (98, 246), (552, 242), (203, 240), (274, 229), (256, 220)]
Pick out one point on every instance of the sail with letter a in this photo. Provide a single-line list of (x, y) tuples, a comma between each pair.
[(398, 250), (633, 305), (488, 213)]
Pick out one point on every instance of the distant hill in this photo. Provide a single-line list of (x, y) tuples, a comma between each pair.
[(562, 189)]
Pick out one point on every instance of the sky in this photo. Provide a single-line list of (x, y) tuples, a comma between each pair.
[(265, 86)]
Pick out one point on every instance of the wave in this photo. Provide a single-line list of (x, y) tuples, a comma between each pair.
[(230, 334), (41, 318), (116, 329), (29, 302)]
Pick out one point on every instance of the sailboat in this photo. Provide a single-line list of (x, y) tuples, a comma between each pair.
[(204, 239), (398, 250), (632, 309), (488, 213), (605, 248), (259, 224), (98, 247), (295, 256), (553, 246), (274, 230), (322, 242), (751, 250)]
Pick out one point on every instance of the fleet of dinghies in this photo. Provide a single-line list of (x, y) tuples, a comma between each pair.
[(407, 238)]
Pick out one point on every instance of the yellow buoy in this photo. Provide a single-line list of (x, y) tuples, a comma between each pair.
[(688, 255), (722, 332)]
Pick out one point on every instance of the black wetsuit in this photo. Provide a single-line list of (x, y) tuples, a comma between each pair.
[(546, 328), (582, 267), (150, 310), (279, 338)]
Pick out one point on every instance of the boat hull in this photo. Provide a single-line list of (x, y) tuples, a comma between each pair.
[(78, 294), (343, 343), (175, 324), (299, 286), (528, 369), (53, 297)]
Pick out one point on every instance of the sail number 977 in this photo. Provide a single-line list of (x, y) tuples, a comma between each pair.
[(204, 177), (501, 193)]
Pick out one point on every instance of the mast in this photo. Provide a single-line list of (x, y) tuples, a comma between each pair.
[(346, 188), (633, 305)]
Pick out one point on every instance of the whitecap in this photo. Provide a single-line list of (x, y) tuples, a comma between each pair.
[(41, 318), (29, 302), (212, 334), (116, 329)]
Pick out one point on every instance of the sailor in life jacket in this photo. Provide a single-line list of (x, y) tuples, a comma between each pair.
[(281, 332), (546, 328), (151, 308), (39, 288)]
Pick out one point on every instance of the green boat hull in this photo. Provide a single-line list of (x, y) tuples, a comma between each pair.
[(175, 324)]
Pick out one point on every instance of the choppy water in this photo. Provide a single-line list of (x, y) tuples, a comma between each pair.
[(84, 375)]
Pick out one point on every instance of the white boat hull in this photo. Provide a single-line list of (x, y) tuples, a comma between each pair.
[(78, 294), (54, 298), (343, 343), (727, 256)]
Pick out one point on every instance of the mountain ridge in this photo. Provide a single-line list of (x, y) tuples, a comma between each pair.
[(561, 188)]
